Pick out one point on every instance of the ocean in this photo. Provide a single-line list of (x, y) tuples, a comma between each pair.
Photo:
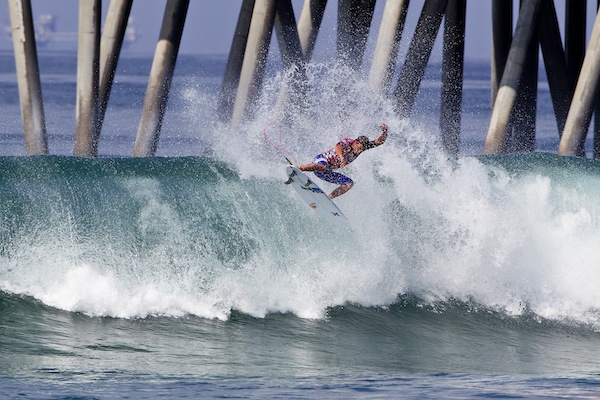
[(199, 274)]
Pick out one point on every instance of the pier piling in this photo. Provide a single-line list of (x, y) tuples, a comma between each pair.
[(161, 75), (309, 25), (556, 65), (292, 56), (255, 55), (287, 35), (584, 99), (575, 13), (507, 93), (354, 23), (452, 75), (28, 77), (596, 142), (526, 102), (388, 42), (419, 51), (233, 68), (110, 50), (502, 32), (88, 62)]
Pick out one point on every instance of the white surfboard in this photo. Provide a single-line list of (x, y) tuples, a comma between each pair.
[(312, 194)]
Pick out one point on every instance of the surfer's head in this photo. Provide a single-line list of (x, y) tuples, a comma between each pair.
[(365, 142)]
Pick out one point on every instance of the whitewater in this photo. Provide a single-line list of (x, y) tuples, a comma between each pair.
[(106, 238)]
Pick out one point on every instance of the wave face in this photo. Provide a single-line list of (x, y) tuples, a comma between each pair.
[(132, 238)]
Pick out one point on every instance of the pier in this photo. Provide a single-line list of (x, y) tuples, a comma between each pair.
[(521, 31)]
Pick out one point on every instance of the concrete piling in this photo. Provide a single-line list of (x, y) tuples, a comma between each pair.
[(354, 22), (88, 62), (110, 50), (596, 150), (309, 25), (419, 51), (257, 47), (575, 13), (524, 124), (502, 32), (388, 42), (161, 75), (452, 75), (287, 35), (583, 103), (507, 93), (292, 57), (596, 144), (556, 64), (28, 77), (233, 68)]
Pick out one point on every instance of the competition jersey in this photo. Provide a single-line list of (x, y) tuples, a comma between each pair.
[(332, 158)]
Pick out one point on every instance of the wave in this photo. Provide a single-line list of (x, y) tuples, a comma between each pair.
[(132, 238)]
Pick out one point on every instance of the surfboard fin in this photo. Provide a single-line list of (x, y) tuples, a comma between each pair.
[(290, 180)]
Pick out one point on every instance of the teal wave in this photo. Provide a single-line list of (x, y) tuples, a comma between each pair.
[(144, 202), (133, 237)]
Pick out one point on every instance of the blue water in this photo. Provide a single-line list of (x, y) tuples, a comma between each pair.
[(199, 274)]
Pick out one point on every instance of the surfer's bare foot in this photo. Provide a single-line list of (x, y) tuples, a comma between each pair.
[(313, 205)]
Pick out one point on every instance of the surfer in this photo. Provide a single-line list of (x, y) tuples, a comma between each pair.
[(344, 152)]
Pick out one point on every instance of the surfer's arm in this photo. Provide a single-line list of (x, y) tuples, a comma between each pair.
[(381, 139), (312, 167)]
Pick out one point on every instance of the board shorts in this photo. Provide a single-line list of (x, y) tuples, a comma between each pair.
[(329, 175)]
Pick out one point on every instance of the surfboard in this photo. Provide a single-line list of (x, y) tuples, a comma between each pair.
[(312, 194)]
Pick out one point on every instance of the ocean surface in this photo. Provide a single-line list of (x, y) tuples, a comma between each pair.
[(199, 274)]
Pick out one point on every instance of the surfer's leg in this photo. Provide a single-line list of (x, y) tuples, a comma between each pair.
[(335, 177), (341, 190)]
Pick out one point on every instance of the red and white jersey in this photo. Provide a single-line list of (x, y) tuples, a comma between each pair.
[(332, 158)]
